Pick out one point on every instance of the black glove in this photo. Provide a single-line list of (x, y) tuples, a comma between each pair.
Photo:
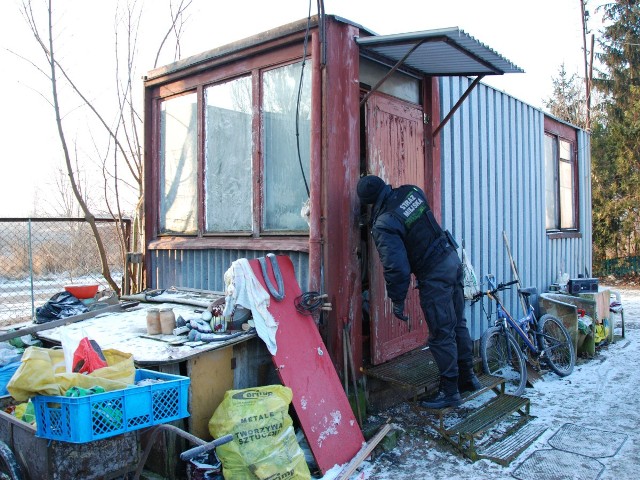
[(398, 311)]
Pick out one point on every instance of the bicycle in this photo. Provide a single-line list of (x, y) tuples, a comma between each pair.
[(200, 448), (508, 344)]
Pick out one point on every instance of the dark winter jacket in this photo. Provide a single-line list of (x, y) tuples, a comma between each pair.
[(406, 235)]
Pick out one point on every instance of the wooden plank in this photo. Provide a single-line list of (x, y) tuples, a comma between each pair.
[(364, 452), (304, 365)]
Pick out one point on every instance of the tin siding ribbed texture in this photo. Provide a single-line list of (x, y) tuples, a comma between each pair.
[(204, 269), (493, 180)]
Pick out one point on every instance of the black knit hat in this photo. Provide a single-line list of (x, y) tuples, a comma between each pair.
[(369, 187)]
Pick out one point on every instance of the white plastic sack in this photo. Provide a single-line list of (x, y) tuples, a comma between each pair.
[(470, 280)]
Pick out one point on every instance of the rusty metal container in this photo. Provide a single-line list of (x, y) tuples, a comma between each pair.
[(40, 458)]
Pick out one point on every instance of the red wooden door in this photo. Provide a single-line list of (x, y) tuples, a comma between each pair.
[(395, 152)]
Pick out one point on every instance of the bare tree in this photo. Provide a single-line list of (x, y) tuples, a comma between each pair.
[(124, 145)]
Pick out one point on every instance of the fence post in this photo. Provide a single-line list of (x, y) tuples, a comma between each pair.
[(33, 303), (133, 259)]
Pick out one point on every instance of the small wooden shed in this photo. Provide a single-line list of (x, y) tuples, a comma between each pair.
[(257, 147)]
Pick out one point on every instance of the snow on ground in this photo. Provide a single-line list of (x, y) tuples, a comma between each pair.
[(602, 393)]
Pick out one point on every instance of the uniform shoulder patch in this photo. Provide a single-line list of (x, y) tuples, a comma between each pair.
[(411, 207)]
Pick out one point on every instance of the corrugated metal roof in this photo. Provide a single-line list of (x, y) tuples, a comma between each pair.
[(442, 52)]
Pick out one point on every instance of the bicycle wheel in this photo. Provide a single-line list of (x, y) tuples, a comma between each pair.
[(501, 357), (9, 468), (555, 341)]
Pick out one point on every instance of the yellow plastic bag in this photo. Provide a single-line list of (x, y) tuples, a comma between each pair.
[(264, 443), (42, 372)]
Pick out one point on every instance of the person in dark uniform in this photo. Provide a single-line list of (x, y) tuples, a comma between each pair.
[(410, 240)]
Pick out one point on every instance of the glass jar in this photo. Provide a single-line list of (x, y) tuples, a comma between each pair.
[(153, 321), (167, 321)]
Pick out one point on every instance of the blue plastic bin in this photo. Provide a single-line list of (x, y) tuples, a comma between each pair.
[(6, 372), (102, 415)]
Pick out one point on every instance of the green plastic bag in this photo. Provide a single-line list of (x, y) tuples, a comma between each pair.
[(264, 443)]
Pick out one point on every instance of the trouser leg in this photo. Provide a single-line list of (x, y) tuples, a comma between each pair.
[(437, 290), (463, 339)]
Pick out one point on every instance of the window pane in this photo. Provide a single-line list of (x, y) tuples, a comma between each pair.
[(567, 219), (228, 149), (398, 84), (178, 165), (565, 150), (284, 183), (550, 184)]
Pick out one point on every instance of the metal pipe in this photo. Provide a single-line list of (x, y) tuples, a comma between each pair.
[(446, 119), (390, 72), (315, 168), (33, 308), (152, 439)]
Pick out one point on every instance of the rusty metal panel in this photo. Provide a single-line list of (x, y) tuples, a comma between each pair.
[(492, 154), (340, 205), (204, 269), (395, 152)]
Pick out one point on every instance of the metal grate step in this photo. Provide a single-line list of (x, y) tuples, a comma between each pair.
[(505, 449), (489, 382), (416, 369), (490, 414)]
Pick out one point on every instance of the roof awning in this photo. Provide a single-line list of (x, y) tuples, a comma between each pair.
[(443, 52), (440, 53)]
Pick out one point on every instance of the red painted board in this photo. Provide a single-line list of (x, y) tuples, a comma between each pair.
[(304, 365)]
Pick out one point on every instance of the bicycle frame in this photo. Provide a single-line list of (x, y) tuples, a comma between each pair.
[(504, 316)]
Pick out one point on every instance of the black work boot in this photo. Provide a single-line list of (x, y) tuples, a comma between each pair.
[(467, 381), (447, 396)]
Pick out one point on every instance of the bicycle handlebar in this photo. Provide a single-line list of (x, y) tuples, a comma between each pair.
[(195, 451), (499, 287)]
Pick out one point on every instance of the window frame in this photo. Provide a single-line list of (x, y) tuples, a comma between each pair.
[(198, 82), (559, 131)]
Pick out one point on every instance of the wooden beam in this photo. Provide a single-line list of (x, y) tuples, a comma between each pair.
[(364, 452)]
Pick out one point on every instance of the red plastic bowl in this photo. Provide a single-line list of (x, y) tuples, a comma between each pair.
[(82, 292)]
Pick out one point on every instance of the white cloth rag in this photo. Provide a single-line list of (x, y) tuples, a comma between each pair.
[(242, 288)]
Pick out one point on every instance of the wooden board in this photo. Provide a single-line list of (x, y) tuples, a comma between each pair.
[(304, 365), (127, 331)]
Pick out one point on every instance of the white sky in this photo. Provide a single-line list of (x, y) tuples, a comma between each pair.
[(537, 36)]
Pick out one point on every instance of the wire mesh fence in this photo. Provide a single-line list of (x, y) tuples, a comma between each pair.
[(618, 267), (39, 256)]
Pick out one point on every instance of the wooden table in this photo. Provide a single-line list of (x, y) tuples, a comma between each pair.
[(208, 365)]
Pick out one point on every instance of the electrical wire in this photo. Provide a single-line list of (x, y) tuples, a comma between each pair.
[(304, 61), (308, 303)]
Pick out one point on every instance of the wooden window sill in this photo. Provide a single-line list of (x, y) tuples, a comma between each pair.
[(298, 244)]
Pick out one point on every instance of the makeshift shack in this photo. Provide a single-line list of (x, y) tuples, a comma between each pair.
[(241, 138)]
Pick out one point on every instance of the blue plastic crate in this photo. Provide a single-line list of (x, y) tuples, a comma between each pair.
[(102, 415)]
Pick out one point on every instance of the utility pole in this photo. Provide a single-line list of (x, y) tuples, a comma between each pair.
[(588, 66)]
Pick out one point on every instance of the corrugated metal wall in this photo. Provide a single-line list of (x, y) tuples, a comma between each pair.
[(204, 269), (493, 181)]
